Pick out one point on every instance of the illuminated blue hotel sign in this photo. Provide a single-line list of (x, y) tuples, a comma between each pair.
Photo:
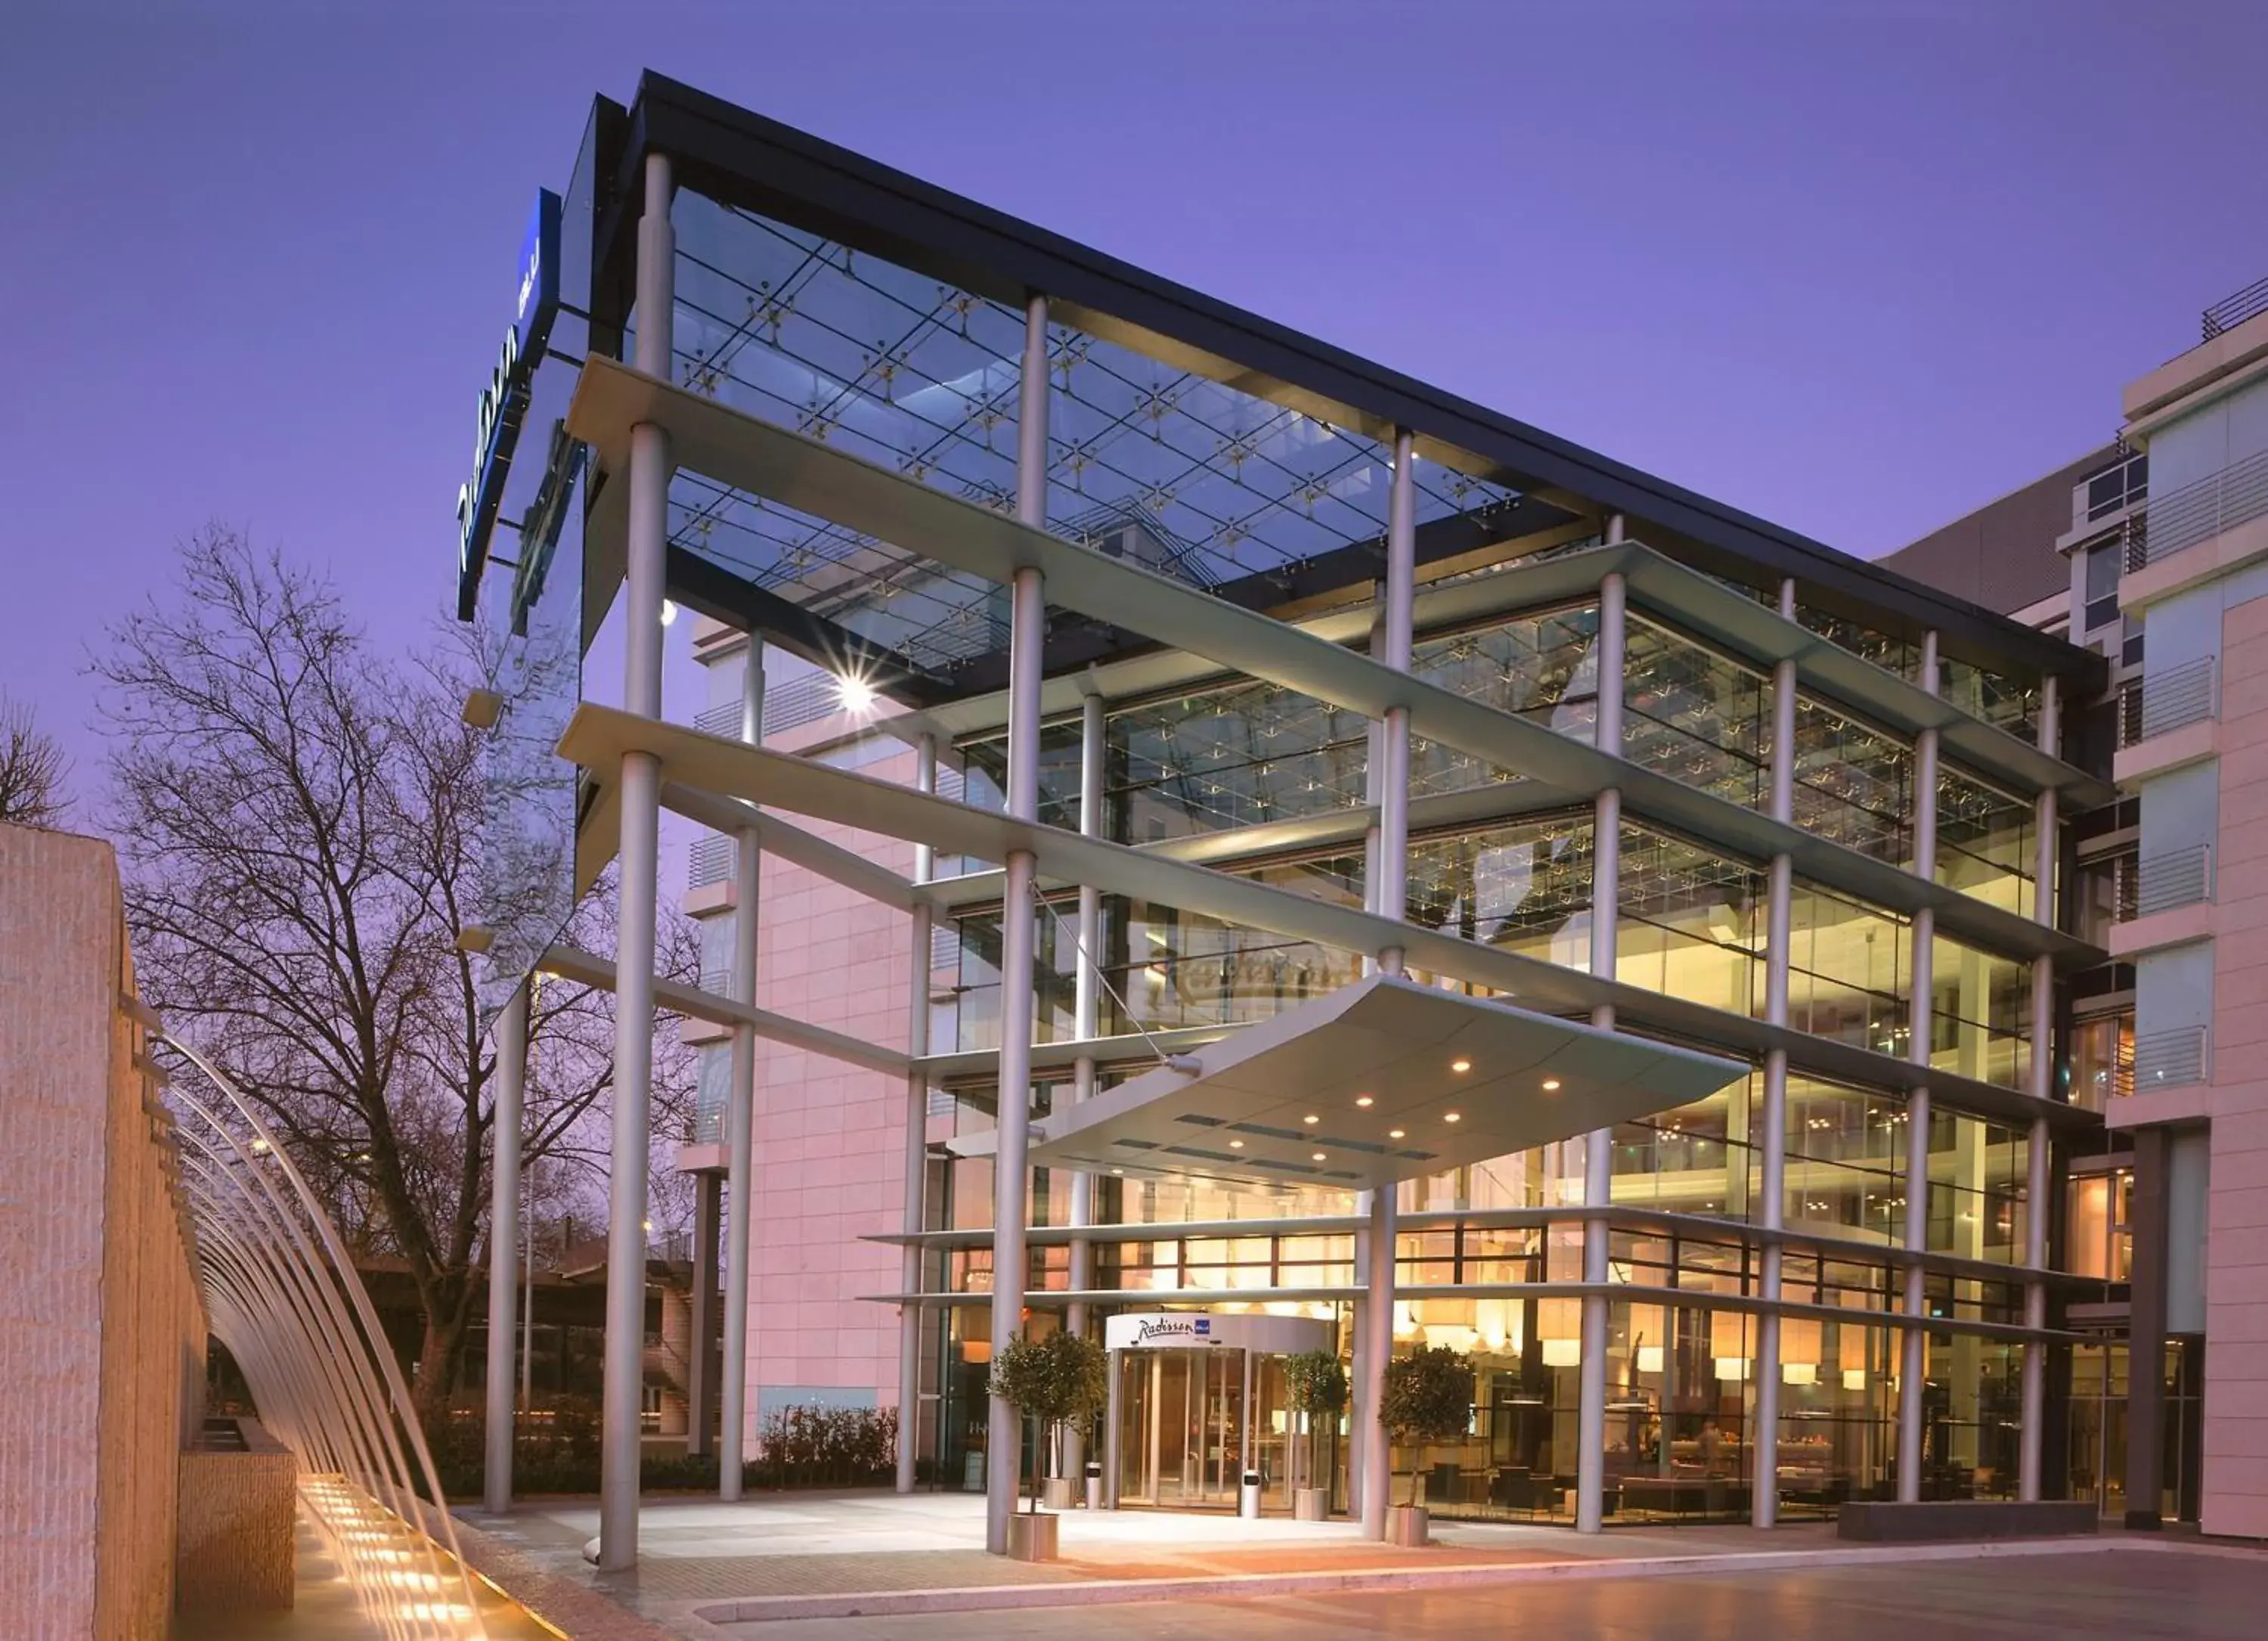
[(504, 402)]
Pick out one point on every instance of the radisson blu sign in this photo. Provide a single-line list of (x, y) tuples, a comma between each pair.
[(504, 402)]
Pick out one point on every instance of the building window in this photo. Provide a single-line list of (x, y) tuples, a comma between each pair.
[(2104, 562), (2101, 1060), (1853, 785), (1695, 716), (1985, 843)]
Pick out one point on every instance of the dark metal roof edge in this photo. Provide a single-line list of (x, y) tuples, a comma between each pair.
[(976, 240)]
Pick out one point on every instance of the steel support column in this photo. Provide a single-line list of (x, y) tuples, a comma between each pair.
[(1772, 1123), (2048, 852), (1610, 653), (1388, 893), (701, 1347), (646, 582), (1087, 1022), (1914, 1346), (917, 1140), (503, 1245), (740, 1113), (1028, 633)]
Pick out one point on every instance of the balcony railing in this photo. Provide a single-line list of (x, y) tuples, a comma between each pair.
[(2198, 511), (2169, 1059), (2166, 701), (2179, 877), (710, 860), (788, 707), (2232, 311)]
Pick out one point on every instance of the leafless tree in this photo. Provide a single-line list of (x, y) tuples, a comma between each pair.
[(300, 820), (32, 769)]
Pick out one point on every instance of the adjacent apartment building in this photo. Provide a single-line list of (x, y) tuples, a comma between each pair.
[(2154, 552)]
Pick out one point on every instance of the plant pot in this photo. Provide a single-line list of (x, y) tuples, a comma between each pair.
[(1311, 1504), (1405, 1526), (1055, 1492), (1032, 1537)]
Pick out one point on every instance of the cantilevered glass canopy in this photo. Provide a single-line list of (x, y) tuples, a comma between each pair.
[(1381, 1081)]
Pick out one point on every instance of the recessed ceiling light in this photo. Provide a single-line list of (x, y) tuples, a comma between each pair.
[(1551, 1085), (1395, 1134), (1460, 1065), (1364, 1100), (1319, 1156), (1118, 1171), (1236, 1145), (1454, 1116), (1311, 1120)]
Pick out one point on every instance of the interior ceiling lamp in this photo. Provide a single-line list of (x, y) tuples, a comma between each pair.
[(1559, 1328), (1851, 1344), (1798, 1350), (1728, 1344)]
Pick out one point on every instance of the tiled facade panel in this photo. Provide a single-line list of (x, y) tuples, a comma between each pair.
[(829, 1168), (2235, 1499)]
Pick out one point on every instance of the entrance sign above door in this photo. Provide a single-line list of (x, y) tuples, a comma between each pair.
[(1228, 1330)]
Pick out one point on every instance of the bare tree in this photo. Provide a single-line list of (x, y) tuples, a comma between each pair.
[(299, 821), (32, 769)]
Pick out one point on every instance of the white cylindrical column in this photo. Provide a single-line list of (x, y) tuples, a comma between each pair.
[(740, 1113), (1611, 652), (2038, 1179), (1393, 643), (1027, 635), (1377, 1345), (1771, 1121), (1914, 1346), (1086, 1023), (503, 1245), (645, 583), (910, 1317)]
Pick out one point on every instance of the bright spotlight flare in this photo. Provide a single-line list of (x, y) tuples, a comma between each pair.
[(856, 694)]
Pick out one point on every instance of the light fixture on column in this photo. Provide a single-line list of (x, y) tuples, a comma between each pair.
[(1559, 1330), (1798, 1350), (1728, 1344)]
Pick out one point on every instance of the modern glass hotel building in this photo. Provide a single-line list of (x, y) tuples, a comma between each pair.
[(1413, 878)]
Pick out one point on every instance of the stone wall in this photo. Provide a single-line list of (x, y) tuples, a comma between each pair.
[(239, 1518), (102, 1339)]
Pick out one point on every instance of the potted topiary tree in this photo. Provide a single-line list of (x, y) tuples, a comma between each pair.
[(1053, 1381), (1427, 1397), (1314, 1385)]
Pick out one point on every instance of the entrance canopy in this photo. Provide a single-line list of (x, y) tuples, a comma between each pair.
[(1381, 1081)]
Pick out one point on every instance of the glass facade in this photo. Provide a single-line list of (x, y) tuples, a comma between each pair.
[(1205, 482)]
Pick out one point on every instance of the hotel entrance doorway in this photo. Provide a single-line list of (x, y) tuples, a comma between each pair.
[(1196, 1401)]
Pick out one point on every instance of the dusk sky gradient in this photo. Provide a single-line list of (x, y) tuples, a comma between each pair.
[(1855, 265)]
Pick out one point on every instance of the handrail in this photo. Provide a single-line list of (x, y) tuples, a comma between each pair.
[(2163, 702), (2169, 1059), (2234, 309), (2198, 511), (2178, 877)]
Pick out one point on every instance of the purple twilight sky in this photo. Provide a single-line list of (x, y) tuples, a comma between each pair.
[(1856, 265)]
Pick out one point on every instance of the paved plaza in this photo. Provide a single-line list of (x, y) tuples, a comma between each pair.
[(2130, 1593), (814, 1567)]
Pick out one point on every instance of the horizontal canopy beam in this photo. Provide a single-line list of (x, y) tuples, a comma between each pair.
[(588, 968), (598, 736)]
